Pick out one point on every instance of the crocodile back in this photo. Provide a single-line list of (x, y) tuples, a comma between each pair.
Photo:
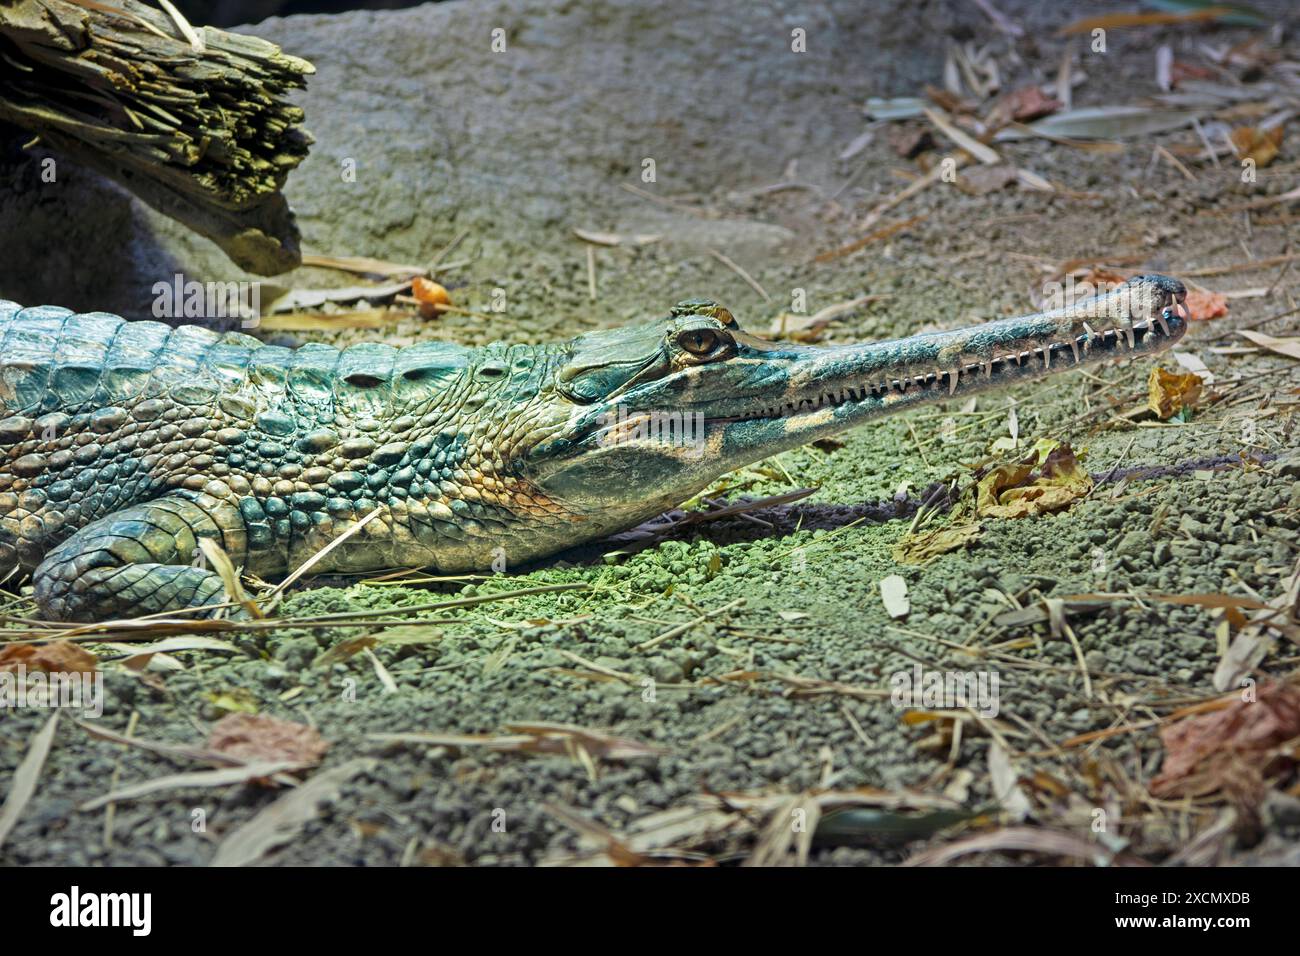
[(98, 413), (52, 359)]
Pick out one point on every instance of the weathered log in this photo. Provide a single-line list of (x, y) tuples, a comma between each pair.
[(197, 126)]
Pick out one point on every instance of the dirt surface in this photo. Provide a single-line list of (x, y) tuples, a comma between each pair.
[(786, 692)]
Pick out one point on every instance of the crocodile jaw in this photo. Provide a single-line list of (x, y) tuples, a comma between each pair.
[(771, 397)]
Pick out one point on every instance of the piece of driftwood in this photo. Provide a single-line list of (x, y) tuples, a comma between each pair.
[(193, 120)]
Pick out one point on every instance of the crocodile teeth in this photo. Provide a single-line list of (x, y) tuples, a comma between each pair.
[(988, 368), (952, 381), (1090, 333), (1075, 346), (1164, 326), (1047, 356), (1128, 331)]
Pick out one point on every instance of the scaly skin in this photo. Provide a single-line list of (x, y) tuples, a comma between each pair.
[(123, 443)]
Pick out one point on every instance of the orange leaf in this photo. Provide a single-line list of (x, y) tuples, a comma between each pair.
[(1255, 144), (1203, 306), (430, 295)]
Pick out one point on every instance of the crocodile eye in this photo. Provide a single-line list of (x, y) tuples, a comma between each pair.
[(699, 341)]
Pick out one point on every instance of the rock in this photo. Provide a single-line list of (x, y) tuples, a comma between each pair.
[(515, 147)]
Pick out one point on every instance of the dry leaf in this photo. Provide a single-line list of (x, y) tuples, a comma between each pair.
[(1194, 364), (1168, 393), (1102, 122), (1203, 306), (918, 548), (1047, 480), (614, 238), (1006, 783), (430, 295), (280, 822), (910, 142), (294, 300), (1255, 144), (964, 140), (1022, 106), (57, 657), (244, 773), (259, 737), (23, 782), (982, 180), (1015, 839), (1290, 347), (1230, 750), (901, 107)]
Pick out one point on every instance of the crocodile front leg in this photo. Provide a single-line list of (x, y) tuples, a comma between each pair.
[(140, 560)]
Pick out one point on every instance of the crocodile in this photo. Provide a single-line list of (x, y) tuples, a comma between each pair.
[(124, 443)]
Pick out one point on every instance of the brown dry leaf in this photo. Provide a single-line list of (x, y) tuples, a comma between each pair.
[(1115, 21), (259, 737), (1203, 306), (62, 657), (982, 180), (948, 101), (1023, 105), (910, 141), (1168, 393), (1047, 480), (1230, 750), (1290, 347), (918, 548), (1259, 145), (431, 296)]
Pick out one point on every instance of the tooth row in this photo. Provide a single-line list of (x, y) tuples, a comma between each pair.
[(1126, 335)]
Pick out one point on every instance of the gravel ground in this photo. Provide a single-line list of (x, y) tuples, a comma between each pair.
[(785, 692)]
